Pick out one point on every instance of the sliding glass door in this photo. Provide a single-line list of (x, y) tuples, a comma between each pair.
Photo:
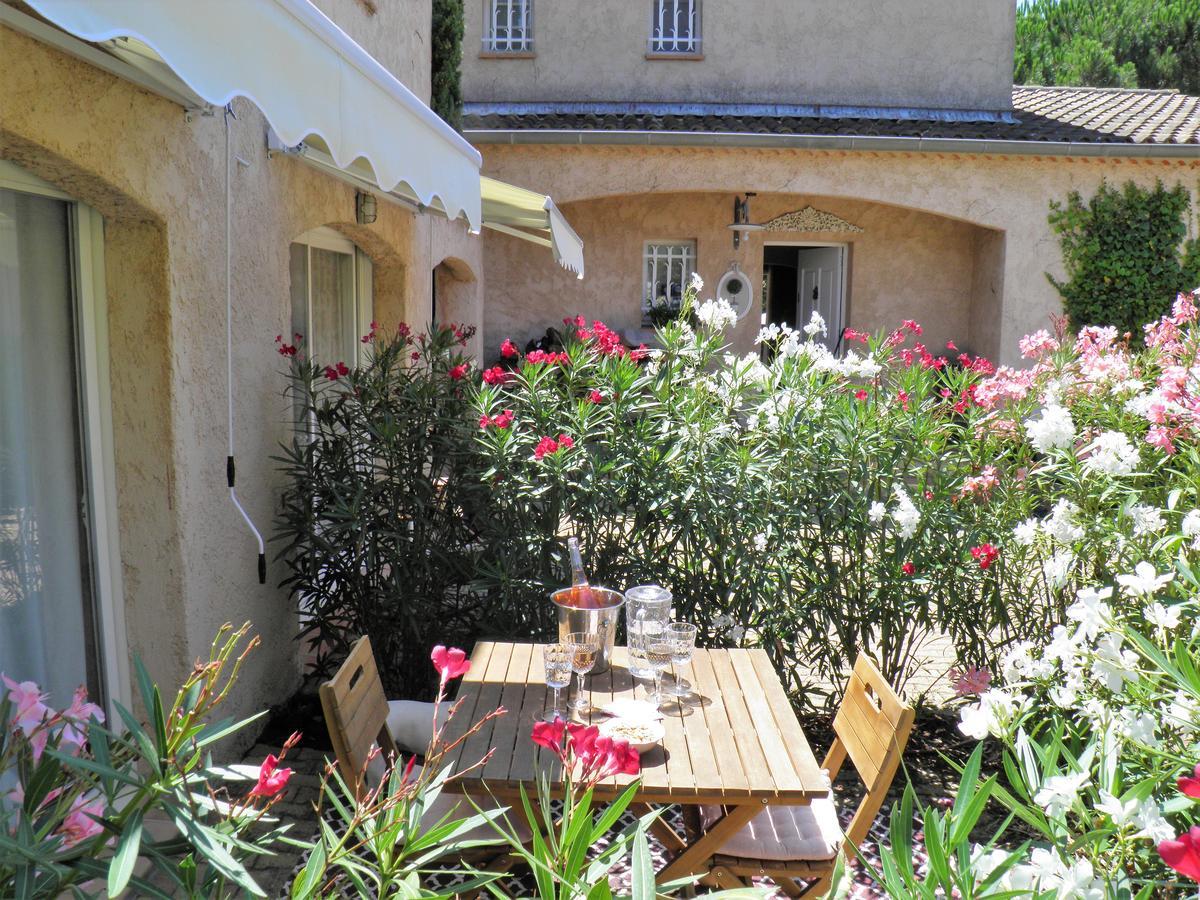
[(48, 612)]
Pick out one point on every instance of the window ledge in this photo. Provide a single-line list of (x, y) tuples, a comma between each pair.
[(680, 57), (507, 54)]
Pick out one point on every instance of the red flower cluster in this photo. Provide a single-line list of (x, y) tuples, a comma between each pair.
[(920, 353), (851, 335), (860, 394), (271, 778), (978, 364), (596, 397), (639, 354), (1183, 853), (508, 349), (335, 372), (459, 372), (497, 375), (970, 680), (551, 358), (902, 396), (370, 335), (908, 568), (608, 342), (985, 554), (289, 349), (450, 663), (403, 329), (548, 446), (587, 754), (500, 420)]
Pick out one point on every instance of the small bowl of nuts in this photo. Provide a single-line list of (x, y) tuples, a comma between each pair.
[(642, 734)]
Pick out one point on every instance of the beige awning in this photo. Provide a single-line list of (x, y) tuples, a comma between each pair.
[(532, 217)]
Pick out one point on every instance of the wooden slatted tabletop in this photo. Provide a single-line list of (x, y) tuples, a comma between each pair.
[(737, 742)]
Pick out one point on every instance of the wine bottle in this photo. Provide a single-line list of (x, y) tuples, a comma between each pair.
[(581, 592)]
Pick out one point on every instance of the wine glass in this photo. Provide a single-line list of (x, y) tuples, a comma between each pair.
[(584, 647), (682, 638), (557, 658), (659, 653)]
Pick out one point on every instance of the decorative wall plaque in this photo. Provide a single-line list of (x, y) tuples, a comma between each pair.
[(811, 219)]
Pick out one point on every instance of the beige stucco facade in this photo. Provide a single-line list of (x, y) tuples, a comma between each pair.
[(958, 241), (188, 563), (857, 52)]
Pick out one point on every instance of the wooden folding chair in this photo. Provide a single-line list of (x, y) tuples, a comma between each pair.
[(795, 844), (356, 713)]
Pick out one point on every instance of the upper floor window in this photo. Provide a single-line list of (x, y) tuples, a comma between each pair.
[(509, 26), (667, 268), (675, 26)]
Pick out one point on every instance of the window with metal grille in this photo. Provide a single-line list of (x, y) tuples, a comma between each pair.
[(675, 26), (667, 268), (509, 26)]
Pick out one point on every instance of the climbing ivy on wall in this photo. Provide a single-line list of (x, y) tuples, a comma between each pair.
[(1127, 254), (447, 60)]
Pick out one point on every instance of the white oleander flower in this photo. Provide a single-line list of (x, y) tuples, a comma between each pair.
[(1113, 664), (1151, 824), (1057, 568), (1141, 727), (1146, 519), (1054, 429), (1026, 532), (816, 325), (1184, 713), (877, 512), (1144, 581), (1090, 611), (992, 714), (1112, 454), (696, 282), (905, 515), (1060, 792), (736, 633), (760, 542), (716, 315), (1121, 813), (1166, 617), (767, 334), (1061, 524)]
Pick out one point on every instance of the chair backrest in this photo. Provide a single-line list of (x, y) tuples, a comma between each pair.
[(872, 726), (356, 711)]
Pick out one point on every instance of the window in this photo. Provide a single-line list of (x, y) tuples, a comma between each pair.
[(509, 26), (675, 26), (61, 623), (331, 296), (667, 268)]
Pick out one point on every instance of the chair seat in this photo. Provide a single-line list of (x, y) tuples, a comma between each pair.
[(410, 723), (785, 833)]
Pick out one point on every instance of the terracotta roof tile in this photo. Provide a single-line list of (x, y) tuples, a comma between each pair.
[(1058, 114)]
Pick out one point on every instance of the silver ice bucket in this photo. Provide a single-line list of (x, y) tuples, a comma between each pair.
[(601, 621)]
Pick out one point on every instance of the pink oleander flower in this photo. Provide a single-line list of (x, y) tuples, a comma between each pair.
[(902, 396), (336, 371), (1190, 784), (908, 568), (860, 394), (1183, 853), (586, 754), (28, 700), (639, 354), (508, 349), (851, 335), (565, 442), (77, 716), (1162, 438), (496, 375), (911, 326), (370, 335), (79, 825), (545, 447), (271, 778), (500, 420), (459, 372), (970, 680), (1036, 345), (450, 663), (980, 486), (596, 397)]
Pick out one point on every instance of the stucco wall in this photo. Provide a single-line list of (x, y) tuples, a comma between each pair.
[(858, 52), (903, 264), (188, 562), (1007, 195)]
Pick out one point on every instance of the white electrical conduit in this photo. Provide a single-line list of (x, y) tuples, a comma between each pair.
[(229, 465)]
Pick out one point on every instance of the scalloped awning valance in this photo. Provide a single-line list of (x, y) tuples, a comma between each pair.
[(313, 83)]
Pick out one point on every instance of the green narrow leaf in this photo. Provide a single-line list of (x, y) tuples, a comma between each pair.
[(643, 868), (120, 869), (310, 877)]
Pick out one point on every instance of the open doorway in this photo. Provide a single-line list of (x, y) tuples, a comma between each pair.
[(801, 278)]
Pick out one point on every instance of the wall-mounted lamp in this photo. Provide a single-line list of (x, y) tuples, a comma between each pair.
[(741, 219), (365, 209)]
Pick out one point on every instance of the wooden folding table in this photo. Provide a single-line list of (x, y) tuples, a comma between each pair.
[(736, 744)]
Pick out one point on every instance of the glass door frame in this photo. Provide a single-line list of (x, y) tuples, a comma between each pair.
[(94, 396)]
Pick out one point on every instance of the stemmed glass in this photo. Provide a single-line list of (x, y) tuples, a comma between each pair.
[(682, 638), (558, 676), (659, 652), (584, 647)]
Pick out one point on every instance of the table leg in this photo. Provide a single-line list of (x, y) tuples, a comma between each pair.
[(698, 854)]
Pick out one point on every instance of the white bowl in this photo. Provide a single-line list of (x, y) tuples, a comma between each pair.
[(650, 732)]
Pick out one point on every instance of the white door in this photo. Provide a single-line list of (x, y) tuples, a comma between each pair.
[(819, 288)]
